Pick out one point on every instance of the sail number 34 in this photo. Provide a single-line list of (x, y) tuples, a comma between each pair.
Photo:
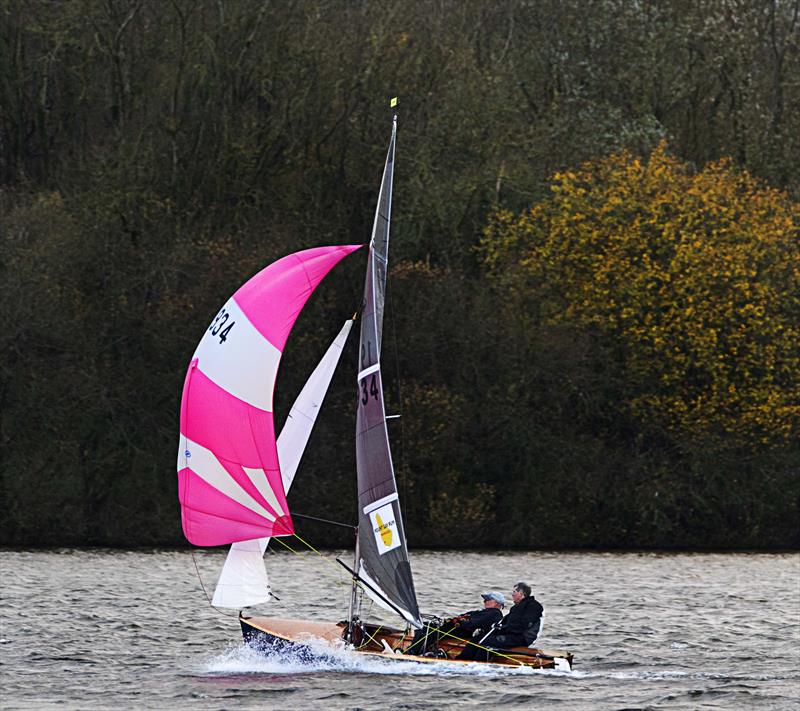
[(371, 389), (220, 326)]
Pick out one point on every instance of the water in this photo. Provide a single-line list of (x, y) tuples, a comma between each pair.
[(85, 629)]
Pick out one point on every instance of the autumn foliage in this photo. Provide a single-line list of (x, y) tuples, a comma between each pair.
[(616, 366), (693, 276)]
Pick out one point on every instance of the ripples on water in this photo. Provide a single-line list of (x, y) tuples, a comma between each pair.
[(131, 629)]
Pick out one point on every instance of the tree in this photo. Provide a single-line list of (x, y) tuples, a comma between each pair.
[(694, 278)]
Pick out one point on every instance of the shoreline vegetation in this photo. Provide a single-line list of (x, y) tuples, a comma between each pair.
[(593, 319)]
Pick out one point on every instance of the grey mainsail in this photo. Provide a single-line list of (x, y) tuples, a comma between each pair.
[(383, 554)]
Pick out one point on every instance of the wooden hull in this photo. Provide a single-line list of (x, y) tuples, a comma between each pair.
[(274, 635)]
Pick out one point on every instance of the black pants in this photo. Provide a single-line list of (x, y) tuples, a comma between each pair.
[(496, 639)]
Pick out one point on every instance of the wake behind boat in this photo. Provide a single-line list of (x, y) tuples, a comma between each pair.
[(234, 474)]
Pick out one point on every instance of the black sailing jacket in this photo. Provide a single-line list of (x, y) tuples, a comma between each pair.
[(523, 617)]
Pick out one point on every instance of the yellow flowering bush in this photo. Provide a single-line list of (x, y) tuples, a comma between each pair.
[(695, 276)]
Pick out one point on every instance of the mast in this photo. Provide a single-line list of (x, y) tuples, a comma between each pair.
[(382, 560)]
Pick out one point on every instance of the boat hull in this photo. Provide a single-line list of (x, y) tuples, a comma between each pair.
[(291, 637)]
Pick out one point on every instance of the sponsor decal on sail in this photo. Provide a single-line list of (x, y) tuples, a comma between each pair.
[(384, 527)]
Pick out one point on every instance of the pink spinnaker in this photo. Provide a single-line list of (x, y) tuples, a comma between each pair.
[(229, 479)]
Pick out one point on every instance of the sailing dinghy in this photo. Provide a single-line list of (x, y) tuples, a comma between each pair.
[(233, 473)]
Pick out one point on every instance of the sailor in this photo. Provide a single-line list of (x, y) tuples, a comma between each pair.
[(519, 627), (465, 625), (469, 623)]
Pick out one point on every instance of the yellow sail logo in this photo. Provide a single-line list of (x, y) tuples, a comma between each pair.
[(384, 530)]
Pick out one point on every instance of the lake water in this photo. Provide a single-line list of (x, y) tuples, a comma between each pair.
[(85, 629)]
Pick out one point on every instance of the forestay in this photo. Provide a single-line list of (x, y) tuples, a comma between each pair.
[(229, 479), (243, 580), (383, 560)]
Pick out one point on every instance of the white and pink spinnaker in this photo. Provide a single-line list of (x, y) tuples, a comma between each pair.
[(229, 477)]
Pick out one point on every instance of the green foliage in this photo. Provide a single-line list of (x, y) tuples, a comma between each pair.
[(696, 278), (677, 293), (155, 154)]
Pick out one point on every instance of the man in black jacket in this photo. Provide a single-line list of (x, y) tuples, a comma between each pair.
[(519, 627)]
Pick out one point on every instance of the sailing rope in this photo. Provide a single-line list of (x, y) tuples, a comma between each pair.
[(434, 629), (370, 637), (199, 577), (478, 645), (202, 585), (310, 547), (339, 581), (323, 520)]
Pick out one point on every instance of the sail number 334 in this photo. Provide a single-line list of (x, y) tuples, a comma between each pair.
[(220, 326)]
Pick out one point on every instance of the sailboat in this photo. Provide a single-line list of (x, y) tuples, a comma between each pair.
[(234, 473)]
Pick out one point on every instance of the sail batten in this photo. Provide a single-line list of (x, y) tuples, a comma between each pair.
[(383, 551)]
